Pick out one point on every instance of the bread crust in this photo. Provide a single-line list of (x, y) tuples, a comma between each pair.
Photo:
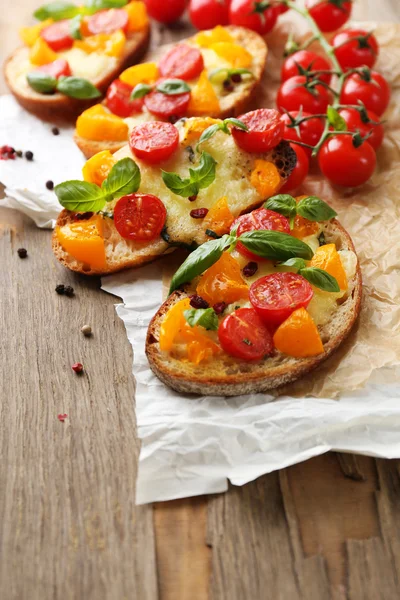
[(233, 105), (218, 379), (61, 108)]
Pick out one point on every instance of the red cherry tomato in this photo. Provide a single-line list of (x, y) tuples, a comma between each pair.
[(280, 9), (310, 130), (250, 14), (354, 122), (292, 95), (154, 142), (139, 217), (343, 164), (206, 14), (265, 130), (58, 36), (181, 62), (57, 68), (307, 60), (117, 100), (300, 171), (164, 105), (262, 218), (276, 296), (242, 334), (355, 48), (107, 21), (374, 94), (166, 11), (329, 15)]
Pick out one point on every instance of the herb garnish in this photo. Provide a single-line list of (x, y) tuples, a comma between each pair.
[(317, 277), (205, 317), (74, 87), (199, 178), (311, 208)]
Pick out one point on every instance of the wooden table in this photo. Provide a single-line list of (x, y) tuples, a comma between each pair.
[(328, 528)]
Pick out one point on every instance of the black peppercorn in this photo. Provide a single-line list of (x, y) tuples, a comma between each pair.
[(236, 78), (69, 291), (50, 185), (55, 131), (19, 153), (227, 84), (60, 289), (29, 155), (22, 252)]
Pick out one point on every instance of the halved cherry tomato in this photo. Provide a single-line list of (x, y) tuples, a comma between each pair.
[(117, 100), (166, 11), (300, 171), (305, 59), (154, 142), (253, 15), (206, 14), (265, 130), (262, 218), (57, 68), (353, 53), (107, 21), (329, 15), (276, 296), (182, 62), (354, 122), (164, 105), (58, 35), (344, 164), (242, 334), (310, 130), (139, 217), (371, 89), (292, 95)]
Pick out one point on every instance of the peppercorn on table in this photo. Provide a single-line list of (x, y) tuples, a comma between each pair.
[(69, 528)]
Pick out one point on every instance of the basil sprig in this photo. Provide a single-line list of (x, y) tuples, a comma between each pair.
[(222, 126), (169, 87), (57, 11), (92, 6), (199, 178), (75, 27), (317, 277), (140, 90), (311, 208), (74, 87), (205, 317), (82, 196), (218, 75), (268, 244)]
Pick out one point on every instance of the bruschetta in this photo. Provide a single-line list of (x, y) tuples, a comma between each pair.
[(172, 186), (261, 307), (215, 74), (73, 54)]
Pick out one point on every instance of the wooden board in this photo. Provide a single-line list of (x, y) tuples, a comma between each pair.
[(69, 529)]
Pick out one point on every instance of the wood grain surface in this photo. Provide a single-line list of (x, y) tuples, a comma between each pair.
[(69, 529)]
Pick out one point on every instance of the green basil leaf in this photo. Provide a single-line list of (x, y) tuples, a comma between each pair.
[(75, 87), (140, 90), (320, 279), (80, 196), (208, 133), (57, 11), (124, 178), (173, 87), (75, 27), (200, 260), (199, 178), (296, 263), (92, 6), (315, 209), (275, 245), (205, 317), (236, 123), (219, 75), (42, 82), (283, 204), (334, 119)]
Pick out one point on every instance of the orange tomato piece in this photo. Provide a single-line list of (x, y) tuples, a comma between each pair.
[(203, 99), (112, 44), (172, 324), (298, 336), (143, 73), (223, 282), (265, 178), (29, 35), (137, 15), (193, 130), (218, 34), (116, 44), (97, 168), (219, 218), (236, 55), (96, 123), (41, 53), (84, 241), (328, 259), (303, 227)]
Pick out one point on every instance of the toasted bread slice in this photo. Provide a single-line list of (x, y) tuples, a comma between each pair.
[(56, 107), (227, 376), (231, 105), (233, 167)]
